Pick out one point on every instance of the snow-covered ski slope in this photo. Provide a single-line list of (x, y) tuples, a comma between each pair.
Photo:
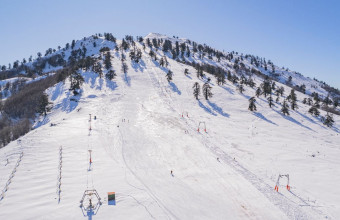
[(139, 136)]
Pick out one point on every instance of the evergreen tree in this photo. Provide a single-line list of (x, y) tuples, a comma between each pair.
[(73, 44), (220, 77), (196, 88), (107, 60), (161, 62), (327, 101), (328, 120), (304, 101), (44, 105), (270, 101), (316, 96), (76, 81), (97, 68), (110, 74), (152, 54), (293, 99), (186, 71), (317, 104), (281, 90), (229, 76), (285, 107), (277, 99), (258, 92), (336, 102), (309, 101), (240, 88), (125, 67), (266, 87), (314, 111), (251, 83), (252, 106), (207, 91), (169, 75)]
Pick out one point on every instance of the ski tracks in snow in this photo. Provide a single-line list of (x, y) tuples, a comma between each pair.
[(292, 209)]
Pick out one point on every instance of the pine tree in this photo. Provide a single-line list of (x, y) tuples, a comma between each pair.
[(277, 99), (304, 101), (161, 62), (107, 60), (328, 120), (186, 71), (169, 75), (229, 76), (240, 88), (258, 92), (44, 105), (327, 101), (281, 90), (207, 91), (251, 83), (309, 101), (197, 90), (270, 101), (73, 44), (252, 106), (285, 107), (266, 87), (293, 99), (125, 67), (220, 77), (110, 74), (314, 111), (76, 81)]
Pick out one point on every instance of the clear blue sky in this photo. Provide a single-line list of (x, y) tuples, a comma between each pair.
[(301, 35)]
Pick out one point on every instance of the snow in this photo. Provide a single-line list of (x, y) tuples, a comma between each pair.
[(139, 136)]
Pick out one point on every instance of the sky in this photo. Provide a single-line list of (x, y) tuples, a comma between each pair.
[(302, 35)]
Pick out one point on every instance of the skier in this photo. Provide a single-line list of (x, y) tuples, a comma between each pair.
[(218, 159), (171, 173)]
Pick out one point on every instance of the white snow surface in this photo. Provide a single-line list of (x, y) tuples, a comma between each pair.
[(139, 136)]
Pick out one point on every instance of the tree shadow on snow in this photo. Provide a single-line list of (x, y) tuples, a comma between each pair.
[(188, 76), (100, 86), (70, 102), (138, 66), (164, 69), (111, 84), (127, 79), (57, 92), (228, 89), (207, 109), (259, 115), (90, 78), (218, 109), (293, 120), (175, 88)]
